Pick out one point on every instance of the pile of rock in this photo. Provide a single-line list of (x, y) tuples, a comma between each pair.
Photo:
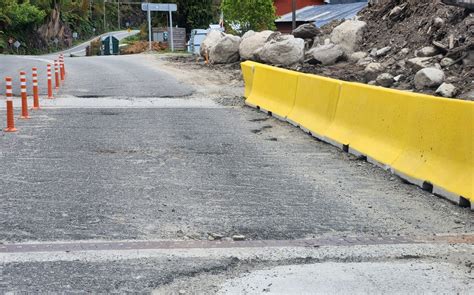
[(304, 45), (431, 45), (219, 47), (347, 51), (267, 46)]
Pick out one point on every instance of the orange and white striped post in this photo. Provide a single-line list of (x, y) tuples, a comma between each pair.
[(56, 74), (10, 118), (24, 97), (62, 70), (50, 83), (35, 89), (61, 56)]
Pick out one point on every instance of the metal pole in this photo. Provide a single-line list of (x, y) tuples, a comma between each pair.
[(171, 28), (105, 26), (149, 25), (293, 9), (118, 14)]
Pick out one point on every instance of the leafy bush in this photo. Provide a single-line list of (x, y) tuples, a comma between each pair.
[(24, 14), (245, 15)]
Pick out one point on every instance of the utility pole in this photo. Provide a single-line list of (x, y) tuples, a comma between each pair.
[(171, 30), (105, 25), (90, 8), (149, 24), (118, 13), (293, 9)]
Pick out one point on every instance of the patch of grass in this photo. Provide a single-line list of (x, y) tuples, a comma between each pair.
[(131, 39)]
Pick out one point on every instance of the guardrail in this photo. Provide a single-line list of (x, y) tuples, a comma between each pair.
[(426, 140)]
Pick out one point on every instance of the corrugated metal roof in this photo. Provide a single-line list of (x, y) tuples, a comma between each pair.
[(344, 1), (323, 14)]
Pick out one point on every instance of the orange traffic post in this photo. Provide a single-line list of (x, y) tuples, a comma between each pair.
[(61, 71), (24, 97), (56, 74), (35, 89), (61, 68), (61, 56), (50, 83), (9, 94)]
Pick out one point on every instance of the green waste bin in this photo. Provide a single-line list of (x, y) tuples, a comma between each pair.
[(110, 45)]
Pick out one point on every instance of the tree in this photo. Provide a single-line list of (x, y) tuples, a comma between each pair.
[(17, 16), (193, 14), (245, 15)]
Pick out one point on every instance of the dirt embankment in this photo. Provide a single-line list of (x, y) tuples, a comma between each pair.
[(423, 46), (208, 79), (408, 27)]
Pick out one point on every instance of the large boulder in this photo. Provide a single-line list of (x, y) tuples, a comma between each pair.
[(372, 70), (385, 80), (212, 38), (427, 51), (447, 90), (418, 63), (226, 50), (306, 31), (252, 43), (285, 50), (325, 54), (429, 78), (383, 51), (356, 56), (446, 62), (349, 35), (248, 34)]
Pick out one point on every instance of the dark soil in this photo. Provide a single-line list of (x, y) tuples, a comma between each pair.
[(413, 29)]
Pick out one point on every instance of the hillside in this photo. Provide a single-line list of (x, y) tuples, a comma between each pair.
[(48, 25)]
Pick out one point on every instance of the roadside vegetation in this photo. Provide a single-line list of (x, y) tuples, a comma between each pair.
[(42, 26), (245, 15)]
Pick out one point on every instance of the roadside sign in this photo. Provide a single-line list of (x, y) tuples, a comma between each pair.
[(165, 7), (159, 7), (74, 35), (17, 44)]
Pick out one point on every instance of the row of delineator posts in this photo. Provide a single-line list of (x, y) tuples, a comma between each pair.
[(59, 76), (426, 140)]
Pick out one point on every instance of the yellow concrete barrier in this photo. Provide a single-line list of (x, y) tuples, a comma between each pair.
[(440, 147), (372, 121), (248, 68), (427, 140), (273, 90), (315, 104)]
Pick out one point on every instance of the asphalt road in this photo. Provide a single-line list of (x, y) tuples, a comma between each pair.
[(80, 50), (181, 167), (11, 65)]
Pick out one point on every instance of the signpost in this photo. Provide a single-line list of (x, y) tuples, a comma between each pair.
[(169, 7)]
